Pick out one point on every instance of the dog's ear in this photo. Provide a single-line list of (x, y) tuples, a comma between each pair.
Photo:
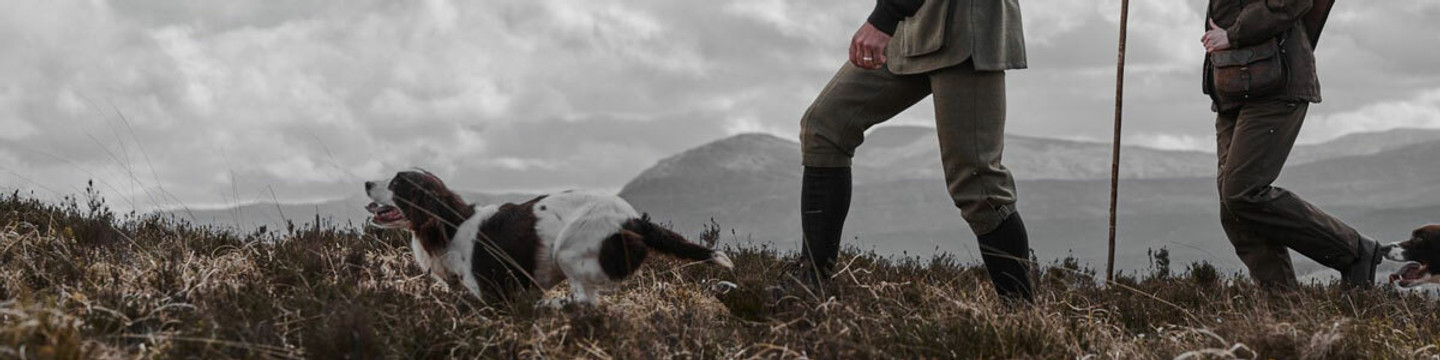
[(1427, 237), (411, 196), (429, 196), (1428, 232)]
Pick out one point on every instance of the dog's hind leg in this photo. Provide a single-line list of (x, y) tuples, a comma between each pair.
[(577, 251)]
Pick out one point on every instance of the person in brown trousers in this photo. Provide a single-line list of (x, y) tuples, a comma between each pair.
[(957, 51), (1260, 76)]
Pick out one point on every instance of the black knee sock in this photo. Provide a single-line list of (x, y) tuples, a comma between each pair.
[(824, 202), (1006, 252)]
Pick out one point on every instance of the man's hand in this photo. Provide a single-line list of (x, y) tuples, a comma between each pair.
[(867, 48), (1216, 39)]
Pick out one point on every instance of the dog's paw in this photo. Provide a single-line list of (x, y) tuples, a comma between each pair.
[(584, 301), (721, 287), (552, 303)]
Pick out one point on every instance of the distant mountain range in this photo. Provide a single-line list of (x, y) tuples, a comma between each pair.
[(1383, 183)]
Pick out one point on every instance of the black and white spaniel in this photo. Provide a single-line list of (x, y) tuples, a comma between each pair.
[(592, 240), (1421, 255)]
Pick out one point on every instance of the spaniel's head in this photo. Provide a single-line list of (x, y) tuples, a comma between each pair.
[(1421, 254), (413, 200)]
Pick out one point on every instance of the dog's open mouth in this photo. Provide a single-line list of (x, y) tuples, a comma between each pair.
[(1409, 274), (384, 214)]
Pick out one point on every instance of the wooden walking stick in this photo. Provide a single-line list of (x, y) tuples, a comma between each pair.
[(1115, 148)]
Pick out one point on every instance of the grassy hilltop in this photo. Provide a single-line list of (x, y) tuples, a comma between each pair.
[(77, 281)]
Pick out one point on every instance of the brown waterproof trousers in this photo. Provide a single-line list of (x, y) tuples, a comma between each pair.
[(1263, 220)]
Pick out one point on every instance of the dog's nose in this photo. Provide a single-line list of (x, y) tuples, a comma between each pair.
[(369, 185)]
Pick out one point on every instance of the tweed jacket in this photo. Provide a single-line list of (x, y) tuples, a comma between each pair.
[(945, 33)]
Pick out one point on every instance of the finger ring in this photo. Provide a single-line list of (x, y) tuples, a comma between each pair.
[(867, 58)]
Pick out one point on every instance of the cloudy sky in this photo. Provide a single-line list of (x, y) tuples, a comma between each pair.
[(208, 103)]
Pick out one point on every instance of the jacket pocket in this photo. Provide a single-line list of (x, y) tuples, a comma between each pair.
[(924, 32)]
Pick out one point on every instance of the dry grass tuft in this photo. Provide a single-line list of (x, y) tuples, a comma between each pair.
[(79, 282)]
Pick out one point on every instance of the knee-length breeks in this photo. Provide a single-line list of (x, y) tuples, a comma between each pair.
[(969, 119)]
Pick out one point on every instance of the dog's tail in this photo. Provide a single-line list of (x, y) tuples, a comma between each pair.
[(663, 240)]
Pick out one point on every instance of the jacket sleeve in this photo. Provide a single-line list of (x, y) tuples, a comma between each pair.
[(1262, 20), (888, 13)]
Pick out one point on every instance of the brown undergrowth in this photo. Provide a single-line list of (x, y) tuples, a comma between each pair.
[(79, 282)]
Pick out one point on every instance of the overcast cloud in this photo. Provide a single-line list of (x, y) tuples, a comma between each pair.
[(217, 102)]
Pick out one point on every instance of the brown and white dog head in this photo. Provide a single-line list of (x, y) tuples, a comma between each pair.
[(418, 201), (1421, 254)]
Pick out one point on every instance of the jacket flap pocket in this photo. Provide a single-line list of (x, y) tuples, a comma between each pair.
[(924, 32), (1245, 55)]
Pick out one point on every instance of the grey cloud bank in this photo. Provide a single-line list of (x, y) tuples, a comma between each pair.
[(237, 102)]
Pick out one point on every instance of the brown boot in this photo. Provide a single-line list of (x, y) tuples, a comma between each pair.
[(1361, 273)]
